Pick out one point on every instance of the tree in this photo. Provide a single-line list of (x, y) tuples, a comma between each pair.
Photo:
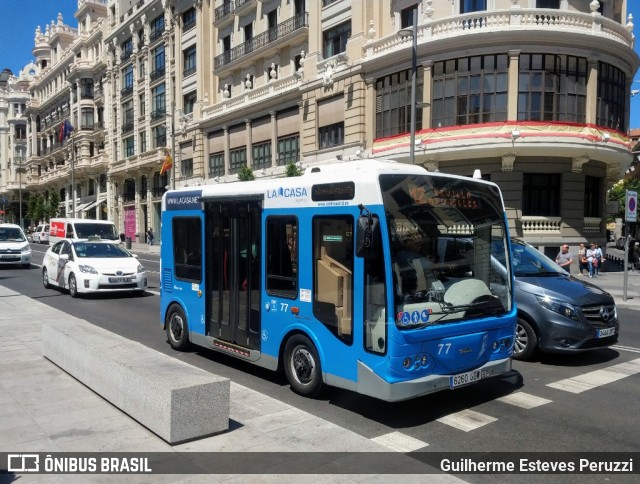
[(52, 208), (36, 208), (292, 170), (246, 174), (618, 193)]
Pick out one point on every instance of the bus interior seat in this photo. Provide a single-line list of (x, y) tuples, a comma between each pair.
[(334, 287)]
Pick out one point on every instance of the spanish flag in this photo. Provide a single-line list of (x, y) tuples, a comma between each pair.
[(167, 164)]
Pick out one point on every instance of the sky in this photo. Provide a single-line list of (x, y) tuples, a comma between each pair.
[(20, 19)]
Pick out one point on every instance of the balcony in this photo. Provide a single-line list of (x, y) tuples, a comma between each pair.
[(158, 73), (158, 114), (272, 35), (222, 12), (157, 192), (534, 225), (126, 55), (189, 71), (127, 91), (156, 34), (127, 127), (189, 25)]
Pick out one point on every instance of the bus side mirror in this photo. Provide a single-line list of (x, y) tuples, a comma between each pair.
[(368, 237)]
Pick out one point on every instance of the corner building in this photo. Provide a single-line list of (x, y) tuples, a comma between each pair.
[(533, 93)]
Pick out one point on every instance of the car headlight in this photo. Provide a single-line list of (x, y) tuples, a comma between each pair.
[(25, 248), (140, 268), (564, 309), (87, 269)]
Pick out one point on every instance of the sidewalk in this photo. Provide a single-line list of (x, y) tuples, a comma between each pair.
[(43, 409)]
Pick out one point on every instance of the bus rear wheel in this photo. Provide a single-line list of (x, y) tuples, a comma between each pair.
[(302, 366), (177, 328)]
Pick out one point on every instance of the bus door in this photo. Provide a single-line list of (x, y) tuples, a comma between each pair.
[(233, 260)]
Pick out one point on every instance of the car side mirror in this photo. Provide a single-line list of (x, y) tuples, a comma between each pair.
[(64, 256)]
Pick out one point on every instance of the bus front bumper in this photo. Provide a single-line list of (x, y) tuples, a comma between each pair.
[(371, 384)]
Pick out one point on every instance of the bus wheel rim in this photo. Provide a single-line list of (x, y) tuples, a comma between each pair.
[(303, 365), (176, 327)]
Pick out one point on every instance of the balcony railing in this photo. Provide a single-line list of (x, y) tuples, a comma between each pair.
[(281, 30), (128, 197), (156, 34), (158, 113), (126, 54), (540, 225), (127, 128), (158, 191), (223, 10), (159, 72), (189, 25), (189, 71), (126, 91)]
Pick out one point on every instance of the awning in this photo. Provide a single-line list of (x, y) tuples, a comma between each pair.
[(100, 199)]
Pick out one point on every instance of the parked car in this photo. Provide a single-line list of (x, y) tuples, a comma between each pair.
[(41, 234), (86, 266), (557, 312), (14, 246)]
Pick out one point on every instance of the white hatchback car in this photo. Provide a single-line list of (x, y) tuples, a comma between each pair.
[(14, 246), (89, 266), (41, 234)]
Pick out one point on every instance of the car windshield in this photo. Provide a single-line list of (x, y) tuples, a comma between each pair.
[(530, 262), (104, 231), (11, 234), (100, 250)]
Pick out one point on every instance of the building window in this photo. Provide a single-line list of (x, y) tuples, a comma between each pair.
[(541, 194), (189, 19), (129, 147), (188, 101), (237, 159), (86, 118), (127, 113), (142, 136), (127, 48), (158, 59), (467, 6), (216, 164), (335, 39), (591, 196), (612, 96), (552, 88), (189, 61), (159, 136), (86, 88), (127, 77), (470, 90), (393, 103), (261, 155), (157, 28), (143, 105), (406, 17), (186, 167), (158, 99), (142, 70), (555, 4), (332, 135)]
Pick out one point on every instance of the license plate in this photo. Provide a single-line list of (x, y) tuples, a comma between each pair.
[(464, 378), (9, 256), (119, 280), (603, 333)]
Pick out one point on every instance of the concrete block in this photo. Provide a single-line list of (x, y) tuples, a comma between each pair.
[(173, 399)]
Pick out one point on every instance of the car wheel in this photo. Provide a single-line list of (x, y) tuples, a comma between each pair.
[(73, 286), (45, 278), (177, 328), (526, 341), (302, 366), (27, 265)]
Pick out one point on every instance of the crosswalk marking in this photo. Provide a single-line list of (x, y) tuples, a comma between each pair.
[(588, 381), (524, 400), (400, 442), (467, 420)]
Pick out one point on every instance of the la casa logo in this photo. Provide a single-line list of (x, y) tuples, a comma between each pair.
[(297, 192)]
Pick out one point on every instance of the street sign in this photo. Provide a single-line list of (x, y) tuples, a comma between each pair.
[(631, 212)]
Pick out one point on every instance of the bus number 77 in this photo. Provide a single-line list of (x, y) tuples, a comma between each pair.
[(445, 347)]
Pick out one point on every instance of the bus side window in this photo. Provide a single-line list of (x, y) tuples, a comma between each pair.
[(187, 253), (282, 278)]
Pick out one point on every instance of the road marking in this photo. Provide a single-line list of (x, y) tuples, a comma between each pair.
[(625, 348), (399, 442), (524, 400), (588, 381), (467, 420)]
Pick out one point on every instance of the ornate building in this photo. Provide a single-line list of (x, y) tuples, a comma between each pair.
[(533, 93)]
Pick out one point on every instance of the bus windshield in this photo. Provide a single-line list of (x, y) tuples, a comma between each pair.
[(442, 234)]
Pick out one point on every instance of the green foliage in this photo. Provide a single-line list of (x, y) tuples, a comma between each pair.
[(246, 174), (52, 208), (36, 208), (618, 193), (292, 170)]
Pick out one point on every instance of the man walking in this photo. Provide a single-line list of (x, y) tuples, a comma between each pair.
[(563, 259)]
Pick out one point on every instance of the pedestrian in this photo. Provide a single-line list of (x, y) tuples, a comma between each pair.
[(563, 259), (582, 260), (591, 259), (150, 236), (636, 256), (600, 260)]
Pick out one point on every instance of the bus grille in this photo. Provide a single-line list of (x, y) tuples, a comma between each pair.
[(167, 280)]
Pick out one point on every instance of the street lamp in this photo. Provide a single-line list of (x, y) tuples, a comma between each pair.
[(413, 33)]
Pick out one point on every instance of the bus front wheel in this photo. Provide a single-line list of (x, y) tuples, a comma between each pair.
[(302, 366), (177, 329)]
